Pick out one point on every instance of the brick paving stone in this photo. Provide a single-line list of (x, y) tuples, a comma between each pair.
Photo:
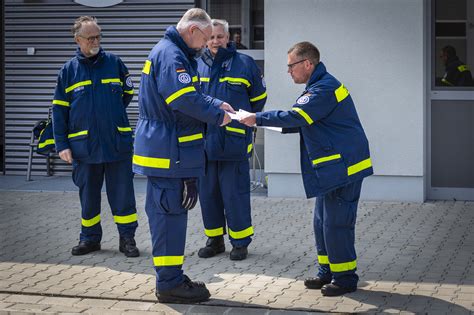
[(27, 307), (126, 305), (59, 301), (17, 298), (95, 303)]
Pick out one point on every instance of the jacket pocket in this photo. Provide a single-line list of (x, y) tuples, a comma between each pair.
[(79, 143), (124, 140), (191, 150), (235, 141), (331, 170)]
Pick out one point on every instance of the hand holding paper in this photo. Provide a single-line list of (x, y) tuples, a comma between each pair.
[(247, 118)]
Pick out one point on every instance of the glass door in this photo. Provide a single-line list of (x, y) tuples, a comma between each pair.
[(451, 101)]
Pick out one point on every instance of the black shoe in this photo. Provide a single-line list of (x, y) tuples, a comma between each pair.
[(128, 247), (315, 283), (214, 246), (187, 292), (85, 247), (238, 253), (335, 290)]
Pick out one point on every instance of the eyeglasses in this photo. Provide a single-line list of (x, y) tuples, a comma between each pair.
[(291, 65), (203, 34), (92, 39)]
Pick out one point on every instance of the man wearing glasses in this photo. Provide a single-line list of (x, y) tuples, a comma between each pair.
[(92, 131), (169, 148), (334, 160), (224, 192)]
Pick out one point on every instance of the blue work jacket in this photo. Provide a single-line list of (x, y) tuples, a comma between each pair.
[(236, 79), (333, 146), (89, 108), (169, 139)]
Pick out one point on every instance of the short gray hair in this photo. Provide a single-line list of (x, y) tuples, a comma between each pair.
[(80, 21), (306, 50), (195, 16), (223, 23)]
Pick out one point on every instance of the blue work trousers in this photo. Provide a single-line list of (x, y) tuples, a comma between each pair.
[(120, 194), (334, 228), (224, 194), (168, 222)]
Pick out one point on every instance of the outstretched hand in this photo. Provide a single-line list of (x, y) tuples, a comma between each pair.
[(249, 119)]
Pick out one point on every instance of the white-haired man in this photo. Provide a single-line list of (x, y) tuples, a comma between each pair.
[(169, 148)]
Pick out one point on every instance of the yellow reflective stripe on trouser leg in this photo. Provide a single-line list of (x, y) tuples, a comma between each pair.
[(151, 162), (341, 93), (164, 261), (91, 222), (323, 260), (241, 234), (356, 168), (303, 114), (341, 267), (214, 232), (179, 93), (124, 219)]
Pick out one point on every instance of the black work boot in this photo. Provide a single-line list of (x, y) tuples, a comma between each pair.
[(214, 246), (187, 292), (335, 290), (315, 283), (128, 247), (238, 253), (85, 247)]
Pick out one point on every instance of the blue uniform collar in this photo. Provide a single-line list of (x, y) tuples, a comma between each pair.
[(172, 35), (317, 74), (80, 56), (224, 56)]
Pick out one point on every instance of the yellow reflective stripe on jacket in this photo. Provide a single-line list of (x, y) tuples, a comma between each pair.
[(128, 92), (146, 67), (249, 148), (124, 129), (62, 103), (237, 130), (214, 232), (341, 93), (204, 79), (91, 222), (323, 260), (151, 162), (258, 98), (114, 80), (45, 143), (235, 80), (190, 138), (463, 68), (162, 261), (124, 219), (303, 113), (195, 78), (241, 234), (78, 84), (178, 93), (77, 134), (356, 168), (341, 267), (326, 158)]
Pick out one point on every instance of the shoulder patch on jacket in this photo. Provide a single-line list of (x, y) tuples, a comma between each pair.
[(184, 78), (303, 99)]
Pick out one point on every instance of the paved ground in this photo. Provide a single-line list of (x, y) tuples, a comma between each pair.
[(413, 258)]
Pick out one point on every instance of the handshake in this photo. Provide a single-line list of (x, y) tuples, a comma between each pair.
[(242, 116)]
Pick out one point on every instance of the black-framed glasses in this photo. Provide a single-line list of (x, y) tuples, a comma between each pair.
[(291, 65), (92, 39)]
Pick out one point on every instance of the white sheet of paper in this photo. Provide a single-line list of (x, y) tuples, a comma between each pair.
[(278, 129), (238, 115)]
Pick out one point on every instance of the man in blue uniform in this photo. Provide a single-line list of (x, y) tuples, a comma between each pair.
[(92, 131), (334, 160), (457, 73), (169, 148), (235, 78)]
